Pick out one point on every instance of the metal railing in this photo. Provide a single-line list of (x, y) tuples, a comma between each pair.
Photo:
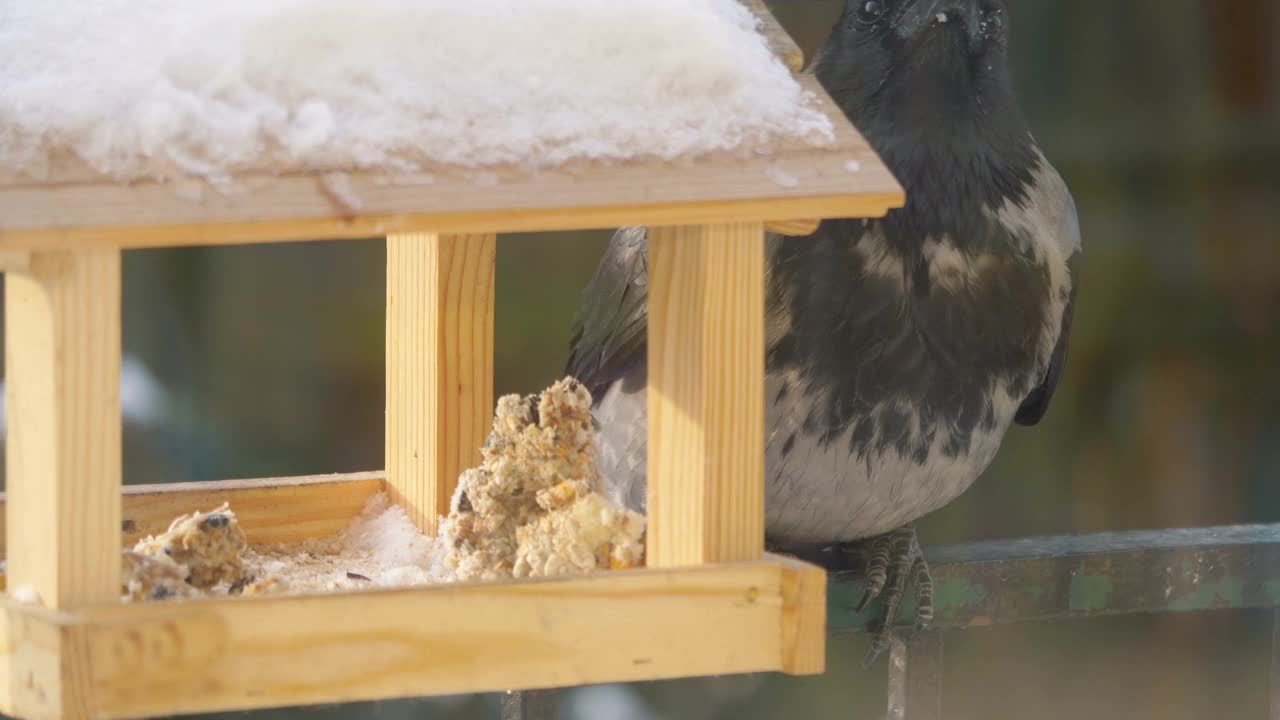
[(1055, 578)]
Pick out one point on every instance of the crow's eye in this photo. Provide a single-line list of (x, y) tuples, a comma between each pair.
[(870, 11)]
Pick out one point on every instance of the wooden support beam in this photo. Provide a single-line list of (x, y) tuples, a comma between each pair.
[(706, 394), (62, 355), (439, 365)]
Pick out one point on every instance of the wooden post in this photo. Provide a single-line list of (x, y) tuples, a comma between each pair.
[(62, 356), (706, 394), (439, 365)]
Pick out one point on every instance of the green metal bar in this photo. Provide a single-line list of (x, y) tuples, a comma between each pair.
[(1084, 576)]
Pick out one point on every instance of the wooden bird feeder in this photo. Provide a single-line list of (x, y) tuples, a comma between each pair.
[(710, 600)]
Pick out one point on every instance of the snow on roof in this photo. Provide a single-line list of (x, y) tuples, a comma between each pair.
[(155, 88)]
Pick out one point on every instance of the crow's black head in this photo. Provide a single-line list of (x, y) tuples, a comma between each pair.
[(925, 62), (928, 83)]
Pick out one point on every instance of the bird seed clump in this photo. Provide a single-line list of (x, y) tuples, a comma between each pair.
[(533, 507), (200, 549), (154, 577)]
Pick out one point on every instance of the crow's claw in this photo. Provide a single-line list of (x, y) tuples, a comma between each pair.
[(877, 572), (924, 592), (893, 560)]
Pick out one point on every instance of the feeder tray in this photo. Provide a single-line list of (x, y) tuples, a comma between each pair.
[(709, 601)]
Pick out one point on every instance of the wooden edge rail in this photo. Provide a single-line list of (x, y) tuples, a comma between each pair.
[(254, 652), (1069, 577), (272, 510)]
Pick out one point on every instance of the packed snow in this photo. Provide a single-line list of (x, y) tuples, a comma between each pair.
[(162, 88)]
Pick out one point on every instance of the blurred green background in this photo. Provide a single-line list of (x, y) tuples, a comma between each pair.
[(1163, 115)]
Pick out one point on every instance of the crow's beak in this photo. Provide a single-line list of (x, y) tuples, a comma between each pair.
[(921, 15)]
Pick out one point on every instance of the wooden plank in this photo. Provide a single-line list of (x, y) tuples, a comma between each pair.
[(706, 395), (439, 366), (272, 510), (915, 676), (62, 354), (778, 38), (76, 208), (259, 652)]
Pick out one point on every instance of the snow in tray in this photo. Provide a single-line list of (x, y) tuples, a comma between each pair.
[(151, 88), (381, 548)]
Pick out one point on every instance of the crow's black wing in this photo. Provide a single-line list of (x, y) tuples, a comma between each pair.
[(1036, 404), (610, 329)]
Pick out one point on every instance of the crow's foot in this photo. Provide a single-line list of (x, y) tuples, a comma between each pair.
[(891, 560)]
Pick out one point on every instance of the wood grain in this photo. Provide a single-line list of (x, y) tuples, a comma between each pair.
[(793, 228), (62, 355), (804, 619), (74, 207), (439, 365), (46, 665), (706, 394), (259, 652)]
